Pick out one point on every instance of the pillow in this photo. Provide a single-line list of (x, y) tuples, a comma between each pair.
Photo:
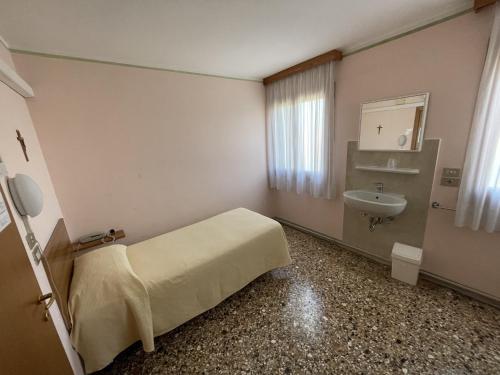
[(109, 307)]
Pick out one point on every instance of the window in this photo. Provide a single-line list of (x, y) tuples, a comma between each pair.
[(302, 136), (299, 126)]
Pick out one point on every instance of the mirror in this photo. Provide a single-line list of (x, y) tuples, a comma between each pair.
[(393, 124)]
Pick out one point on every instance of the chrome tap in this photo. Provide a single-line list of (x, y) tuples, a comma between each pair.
[(379, 186)]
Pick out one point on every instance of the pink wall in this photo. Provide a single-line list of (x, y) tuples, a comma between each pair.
[(14, 115), (151, 151), (447, 61), (146, 150)]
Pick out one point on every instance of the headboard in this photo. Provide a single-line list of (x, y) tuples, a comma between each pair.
[(59, 267)]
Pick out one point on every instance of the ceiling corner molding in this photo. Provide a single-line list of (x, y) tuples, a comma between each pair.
[(4, 42), (127, 65), (461, 9), (10, 77), (479, 4), (333, 55)]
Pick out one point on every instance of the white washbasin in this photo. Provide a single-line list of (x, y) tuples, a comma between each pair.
[(376, 204)]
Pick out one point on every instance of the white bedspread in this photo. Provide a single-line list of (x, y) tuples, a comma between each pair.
[(185, 272), (190, 270)]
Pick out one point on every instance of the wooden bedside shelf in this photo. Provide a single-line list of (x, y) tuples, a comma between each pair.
[(103, 241)]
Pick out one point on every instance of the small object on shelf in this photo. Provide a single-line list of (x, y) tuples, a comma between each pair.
[(392, 163), (91, 237), (109, 237)]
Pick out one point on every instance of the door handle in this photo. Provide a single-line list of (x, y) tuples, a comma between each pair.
[(41, 299)]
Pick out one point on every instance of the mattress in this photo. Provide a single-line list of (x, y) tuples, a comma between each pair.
[(183, 274)]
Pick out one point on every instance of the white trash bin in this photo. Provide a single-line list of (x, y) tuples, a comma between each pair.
[(406, 261)]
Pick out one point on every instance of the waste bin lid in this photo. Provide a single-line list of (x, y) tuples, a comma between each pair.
[(407, 253)]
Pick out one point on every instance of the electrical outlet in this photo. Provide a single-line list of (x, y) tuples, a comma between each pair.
[(451, 172)]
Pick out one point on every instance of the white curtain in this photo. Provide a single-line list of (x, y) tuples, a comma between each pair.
[(479, 197), (299, 121)]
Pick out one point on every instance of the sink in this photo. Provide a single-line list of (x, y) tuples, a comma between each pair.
[(375, 204)]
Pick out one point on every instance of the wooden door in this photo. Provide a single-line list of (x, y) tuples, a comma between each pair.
[(29, 344)]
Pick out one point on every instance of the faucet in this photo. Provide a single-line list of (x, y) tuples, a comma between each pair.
[(379, 186)]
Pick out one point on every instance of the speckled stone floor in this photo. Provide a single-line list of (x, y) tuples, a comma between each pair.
[(330, 312)]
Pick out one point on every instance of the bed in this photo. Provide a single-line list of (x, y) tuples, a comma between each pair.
[(121, 294)]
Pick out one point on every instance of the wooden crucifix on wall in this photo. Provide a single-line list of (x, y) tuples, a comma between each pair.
[(380, 127), (23, 145)]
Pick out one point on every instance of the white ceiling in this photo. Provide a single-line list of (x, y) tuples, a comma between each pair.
[(235, 38)]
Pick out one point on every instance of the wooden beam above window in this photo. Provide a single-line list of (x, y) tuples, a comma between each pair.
[(478, 4), (333, 55)]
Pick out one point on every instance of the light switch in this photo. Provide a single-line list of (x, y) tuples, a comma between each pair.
[(451, 177), (450, 181), (36, 252), (31, 240)]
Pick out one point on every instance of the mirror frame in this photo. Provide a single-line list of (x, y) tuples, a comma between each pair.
[(424, 120)]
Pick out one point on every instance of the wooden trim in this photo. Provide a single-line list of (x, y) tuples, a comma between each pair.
[(478, 4), (333, 55), (58, 264), (416, 127)]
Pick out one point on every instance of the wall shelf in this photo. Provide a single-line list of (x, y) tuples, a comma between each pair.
[(374, 168)]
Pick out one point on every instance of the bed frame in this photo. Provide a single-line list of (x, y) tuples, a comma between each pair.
[(59, 267)]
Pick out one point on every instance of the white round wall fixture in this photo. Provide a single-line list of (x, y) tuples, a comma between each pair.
[(402, 140), (26, 194)]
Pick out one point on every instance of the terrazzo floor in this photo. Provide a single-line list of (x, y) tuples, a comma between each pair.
[(329, 312)]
